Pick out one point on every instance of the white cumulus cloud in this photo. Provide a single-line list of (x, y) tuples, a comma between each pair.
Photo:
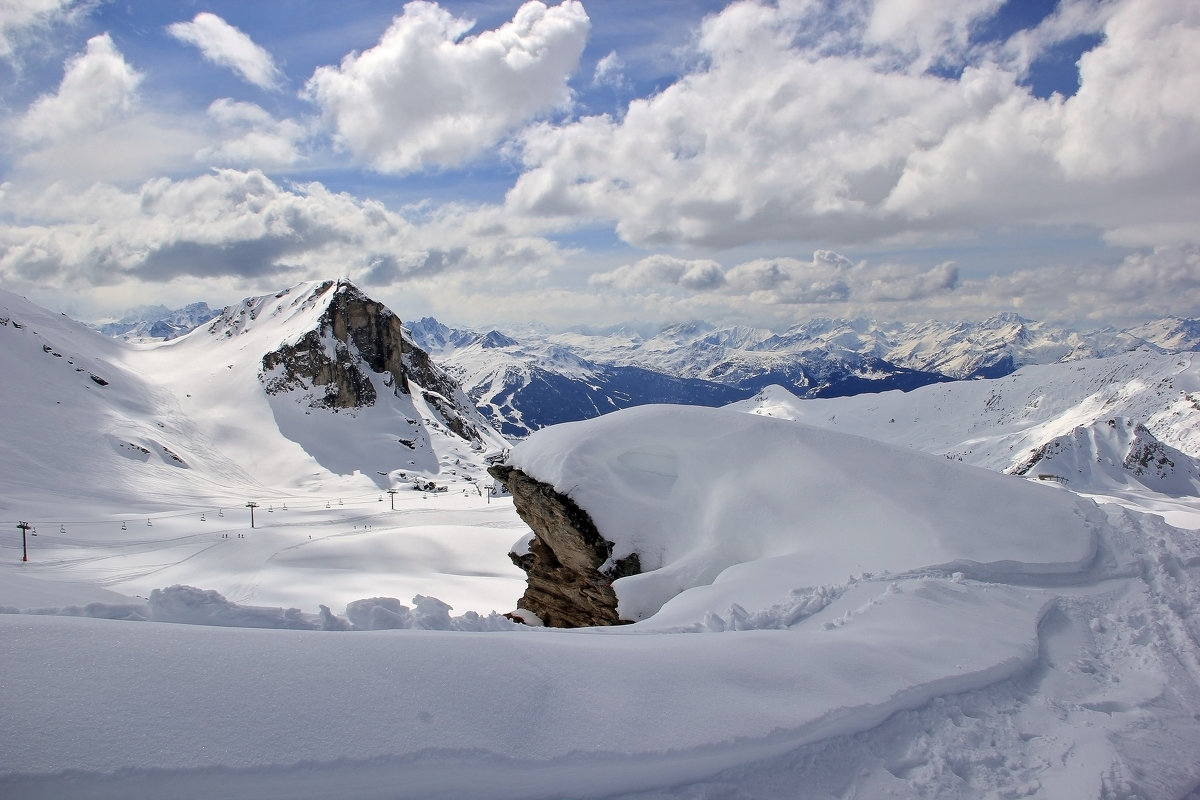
[(240, 225), (659, 270), (610, 71), (18, 18), (428, 95), (782, 133), (225, 45), (98, 87), (251, 137), (926, 33)]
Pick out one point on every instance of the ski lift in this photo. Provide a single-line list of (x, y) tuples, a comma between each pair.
[(327, 504), (270, 509), (220, 512), (124, 527), (202, 517), (149, 524), (285, 506), (62, 528), (381, 498), (339, 501)]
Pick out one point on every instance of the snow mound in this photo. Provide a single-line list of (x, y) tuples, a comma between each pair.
[(701, 493)]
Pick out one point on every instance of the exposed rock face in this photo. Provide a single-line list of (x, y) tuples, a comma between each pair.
[(1148, 455), (354, 334), (308, 362), (569, 564)]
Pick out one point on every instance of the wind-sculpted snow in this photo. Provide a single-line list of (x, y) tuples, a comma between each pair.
[(187, 605), (705, 495), (542, 697)]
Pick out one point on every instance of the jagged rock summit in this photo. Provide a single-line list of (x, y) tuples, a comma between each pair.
[(329, 364), (341, 349)]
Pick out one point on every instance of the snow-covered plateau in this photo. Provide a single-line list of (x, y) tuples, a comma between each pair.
[(877, 596)]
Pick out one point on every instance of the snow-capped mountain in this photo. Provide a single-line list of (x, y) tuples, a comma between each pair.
[(316, 380), (1108, 455), (534, 379), (819, 359), (958, 350), (158, 323), (529, 380), (524, 387), (1173, 334)]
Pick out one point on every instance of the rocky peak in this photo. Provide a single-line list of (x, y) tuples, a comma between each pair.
[(568, 563), (353, 337), (1110, 454)]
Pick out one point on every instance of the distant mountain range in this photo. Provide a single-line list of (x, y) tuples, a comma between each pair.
[(526, 381), (536, 379), (157, 323)]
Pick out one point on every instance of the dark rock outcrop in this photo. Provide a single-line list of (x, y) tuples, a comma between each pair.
[(569, 564), (353, 335)]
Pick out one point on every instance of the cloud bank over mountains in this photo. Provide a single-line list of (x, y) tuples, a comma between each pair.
[(892, 158)]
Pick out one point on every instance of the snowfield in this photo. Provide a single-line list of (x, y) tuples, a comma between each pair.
[(821, 615)]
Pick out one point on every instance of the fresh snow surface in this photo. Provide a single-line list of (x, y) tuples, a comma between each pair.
[(1000, 424), (703, 495), (842, 619)]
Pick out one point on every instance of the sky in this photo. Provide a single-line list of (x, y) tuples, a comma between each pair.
[(594, 163)]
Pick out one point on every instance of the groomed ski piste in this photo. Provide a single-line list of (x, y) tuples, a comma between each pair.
[(820, 614)]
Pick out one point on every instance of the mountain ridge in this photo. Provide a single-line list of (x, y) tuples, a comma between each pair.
[(219, 400), (822, 357), (525, 381)]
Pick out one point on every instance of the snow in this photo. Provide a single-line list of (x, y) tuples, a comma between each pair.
[(823, 615), (695, 491)]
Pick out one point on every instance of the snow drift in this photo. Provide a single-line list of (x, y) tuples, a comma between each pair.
[(701, 493)]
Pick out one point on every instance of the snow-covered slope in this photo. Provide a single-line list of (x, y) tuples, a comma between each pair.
[(85, 417), (130, 460), (996, 423), (203, 413), (1006, 423), (1112, 455), (842, 619)]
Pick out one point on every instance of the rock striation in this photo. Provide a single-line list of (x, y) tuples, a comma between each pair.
[(569, 564)]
